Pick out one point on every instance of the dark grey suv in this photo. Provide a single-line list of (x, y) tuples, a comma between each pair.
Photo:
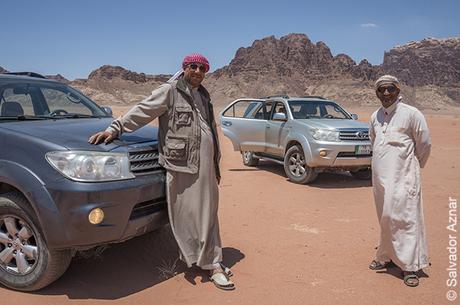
[(58, 193)]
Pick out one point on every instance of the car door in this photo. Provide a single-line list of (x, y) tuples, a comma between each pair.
[(243, 122), (276, 131)]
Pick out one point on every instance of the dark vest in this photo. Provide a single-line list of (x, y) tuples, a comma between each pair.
[(179, 133)]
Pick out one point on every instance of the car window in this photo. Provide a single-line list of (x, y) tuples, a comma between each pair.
[(65, 101), (268, 108), (44, 99), (264, 111), (243, 109), (334, 111), (16, 102), (279, 108), (259, 114), (317, 110)]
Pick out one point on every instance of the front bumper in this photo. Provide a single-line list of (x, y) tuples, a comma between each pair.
[(338, 155), (131, 207)]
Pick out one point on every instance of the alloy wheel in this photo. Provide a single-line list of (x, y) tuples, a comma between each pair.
[(297, 164), (247, 156), (18, 246)]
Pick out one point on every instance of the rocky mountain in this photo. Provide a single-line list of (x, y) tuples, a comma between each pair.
[(112, 72), (2, 70), (429, 70), (110, 85), (294, 65), (293, 55), (58, 77), (427, 62)]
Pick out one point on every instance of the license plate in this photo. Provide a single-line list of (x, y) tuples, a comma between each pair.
[(363, 149)]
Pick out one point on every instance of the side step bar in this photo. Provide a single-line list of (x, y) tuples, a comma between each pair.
[(269, 158)]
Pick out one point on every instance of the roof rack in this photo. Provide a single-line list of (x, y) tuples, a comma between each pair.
[(313, 96), (31, 74), (273, 96)]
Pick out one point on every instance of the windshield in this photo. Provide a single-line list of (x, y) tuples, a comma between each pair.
[(28, 100), (317, 110)]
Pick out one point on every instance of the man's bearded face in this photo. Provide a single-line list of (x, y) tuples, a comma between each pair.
[(387, 94), (194, 74)]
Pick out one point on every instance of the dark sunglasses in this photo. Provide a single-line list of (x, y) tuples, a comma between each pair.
[(195, 66), (391, 89)]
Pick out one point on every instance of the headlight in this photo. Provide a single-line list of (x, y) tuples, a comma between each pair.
[(325, 135), (91, 166)]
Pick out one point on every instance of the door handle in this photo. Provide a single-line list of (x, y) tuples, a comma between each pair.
[(226, 123)]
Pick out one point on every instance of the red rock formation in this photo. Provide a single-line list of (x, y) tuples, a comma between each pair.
[(427, 62)]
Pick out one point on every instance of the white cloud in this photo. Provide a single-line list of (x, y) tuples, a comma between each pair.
[(369, 25)]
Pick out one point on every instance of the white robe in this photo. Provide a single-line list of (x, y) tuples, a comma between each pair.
[(401, 146), (193, 202), (193, 199)]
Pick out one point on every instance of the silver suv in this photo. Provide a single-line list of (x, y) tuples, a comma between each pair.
[(307, 135)]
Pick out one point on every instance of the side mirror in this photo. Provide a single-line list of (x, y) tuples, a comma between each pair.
[(279, 116), (354, 116), (108, 110)]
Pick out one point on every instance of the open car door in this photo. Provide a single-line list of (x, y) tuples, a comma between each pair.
[(244, 122)]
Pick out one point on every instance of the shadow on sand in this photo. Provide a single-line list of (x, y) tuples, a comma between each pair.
[(129, 267), (328, 180), (397, 272), (339, 180)]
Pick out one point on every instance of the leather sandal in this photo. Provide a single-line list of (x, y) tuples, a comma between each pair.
[(226, 269), (411, 279), (376, 265), (221, 281)]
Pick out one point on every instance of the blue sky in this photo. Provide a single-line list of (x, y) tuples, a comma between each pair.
[(75, 37)]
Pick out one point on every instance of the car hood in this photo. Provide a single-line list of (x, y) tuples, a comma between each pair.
[(74, 133), (333, 123)]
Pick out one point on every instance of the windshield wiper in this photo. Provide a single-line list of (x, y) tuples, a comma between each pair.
[(74, 116), (332, 118), (22, 118)]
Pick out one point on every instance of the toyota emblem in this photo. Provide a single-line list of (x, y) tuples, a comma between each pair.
[(361, 135)]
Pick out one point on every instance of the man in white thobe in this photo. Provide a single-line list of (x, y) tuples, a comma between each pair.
[(401, 146)]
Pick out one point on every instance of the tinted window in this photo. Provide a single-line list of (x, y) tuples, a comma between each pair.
[(279, 108), (66, 101), (317, 109), (16, 102), (243, 109), (44, 99), (264, 111)]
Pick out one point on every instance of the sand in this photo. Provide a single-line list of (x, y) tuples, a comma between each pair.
[(286, 243)]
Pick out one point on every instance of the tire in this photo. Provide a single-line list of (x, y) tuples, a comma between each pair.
[(249, 159), (362, 174), (26, 263), (296, 168)]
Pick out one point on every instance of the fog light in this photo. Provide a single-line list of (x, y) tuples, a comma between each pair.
[(323, 153), (96, 216)]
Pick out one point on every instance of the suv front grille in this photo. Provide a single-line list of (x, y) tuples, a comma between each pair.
[(144, 161), (148, 207), (354, 135), (351, 154)]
